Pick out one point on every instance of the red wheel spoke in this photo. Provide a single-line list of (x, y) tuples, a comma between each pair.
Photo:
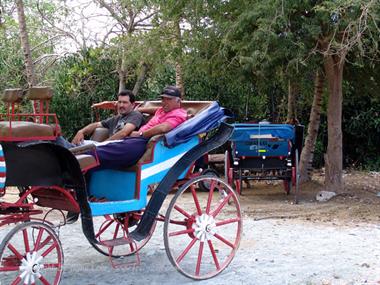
[(182, 211), (26, 240), (224, 240), (188, 231), (226, 222), (110, 250), (179, 259), (180, 223), (50, 248), (210, 193), (213, 253), (131, 247), (16, 281), (43, 280), (195, 197), (45, 242), (102, 230), (199, 261), (222, 204), (38, 240), (9, 268), (116, 231), (52, 265), (14, 250)]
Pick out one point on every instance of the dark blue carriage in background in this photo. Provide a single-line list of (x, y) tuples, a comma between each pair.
[(264, 151), (119, 208)]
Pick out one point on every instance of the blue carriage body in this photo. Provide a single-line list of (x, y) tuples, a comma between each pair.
[(126, 190), (252, 140)]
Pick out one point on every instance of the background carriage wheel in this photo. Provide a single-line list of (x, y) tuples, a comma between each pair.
[(110, 227), (288, 185), (229, 173), (31, 253), (202, 236), (204, 185), (296, 177), (227, 168)]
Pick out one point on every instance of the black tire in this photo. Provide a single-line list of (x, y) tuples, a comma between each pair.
[(297, 177), (287, 186), (204, 186)]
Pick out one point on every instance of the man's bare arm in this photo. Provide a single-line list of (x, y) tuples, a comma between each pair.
[(124, 132), (86, 131), (156, 130), (147, 110)]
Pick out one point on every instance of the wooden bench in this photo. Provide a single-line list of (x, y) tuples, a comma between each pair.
[(15, 126)]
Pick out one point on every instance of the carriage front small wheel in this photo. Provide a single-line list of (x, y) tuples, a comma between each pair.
[(112, 227), (202, 231), (31, 252)]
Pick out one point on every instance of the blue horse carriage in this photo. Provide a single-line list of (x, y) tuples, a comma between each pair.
[(264, 151), (119, 208)]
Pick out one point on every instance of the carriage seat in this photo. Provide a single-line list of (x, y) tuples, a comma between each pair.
[(23, 129), (20, 126), (12, 95), (86, 161)]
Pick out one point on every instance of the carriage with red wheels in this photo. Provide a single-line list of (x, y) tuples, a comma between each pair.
[(264, 151), (119, 208)]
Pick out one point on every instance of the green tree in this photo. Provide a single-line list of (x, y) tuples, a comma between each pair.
[(278, 34)]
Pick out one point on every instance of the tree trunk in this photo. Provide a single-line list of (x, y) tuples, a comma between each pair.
[(30, 75), (122, 78), (307, 154), (334, 157), (178, 64), (292, 92), (122, 75), (141, 79), (179, 78)]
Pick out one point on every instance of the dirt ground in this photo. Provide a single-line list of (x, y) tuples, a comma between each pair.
[(359, 203), (311, 243)]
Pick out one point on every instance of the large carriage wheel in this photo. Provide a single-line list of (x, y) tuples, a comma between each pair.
[(296, 176), (31, 253), (202, 230), (110, 227)]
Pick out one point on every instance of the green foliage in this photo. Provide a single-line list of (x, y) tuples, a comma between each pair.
[(361, 117), (81, 80), (239, 52), (11, 58)]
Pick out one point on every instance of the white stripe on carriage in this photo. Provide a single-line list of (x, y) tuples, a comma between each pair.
[(2, 163), (2, 179), (145, 173)]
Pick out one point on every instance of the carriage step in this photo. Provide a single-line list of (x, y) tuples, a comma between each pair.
[(117, 242), (124, 261)]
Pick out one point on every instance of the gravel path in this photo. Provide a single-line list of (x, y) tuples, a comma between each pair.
[(271, 252)]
